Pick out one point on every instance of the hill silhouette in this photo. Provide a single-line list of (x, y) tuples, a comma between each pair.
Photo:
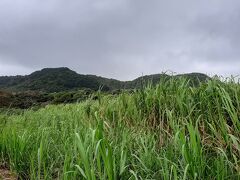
[(63, 79)]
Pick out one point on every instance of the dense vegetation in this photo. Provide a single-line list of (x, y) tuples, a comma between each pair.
[(50, 80), (34, 99), (25, 100), (171, 131), (62, 85)]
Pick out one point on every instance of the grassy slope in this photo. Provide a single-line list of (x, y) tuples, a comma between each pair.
[(171, 131)]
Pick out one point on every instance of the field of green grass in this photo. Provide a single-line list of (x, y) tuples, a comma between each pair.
[(171, 131)]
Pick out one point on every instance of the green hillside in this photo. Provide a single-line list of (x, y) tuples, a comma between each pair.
[(63, 79)]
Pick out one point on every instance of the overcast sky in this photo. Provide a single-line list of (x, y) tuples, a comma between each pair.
[(121, 39)]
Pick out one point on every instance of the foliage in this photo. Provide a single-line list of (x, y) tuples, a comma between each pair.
[(34, 100), (23, 100), (171, 131), (71, 96), (51, 80)]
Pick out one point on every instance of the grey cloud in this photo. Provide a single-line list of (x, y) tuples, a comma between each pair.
[(120, 39)]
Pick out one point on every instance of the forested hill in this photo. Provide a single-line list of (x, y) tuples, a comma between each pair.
[(63, 79)]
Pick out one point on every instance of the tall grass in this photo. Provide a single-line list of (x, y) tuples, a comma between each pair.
[(171, 131)]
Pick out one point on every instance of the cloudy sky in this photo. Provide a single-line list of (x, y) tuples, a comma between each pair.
[(121, 39)]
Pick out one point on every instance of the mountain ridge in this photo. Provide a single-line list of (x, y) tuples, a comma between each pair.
[(64, 79)]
